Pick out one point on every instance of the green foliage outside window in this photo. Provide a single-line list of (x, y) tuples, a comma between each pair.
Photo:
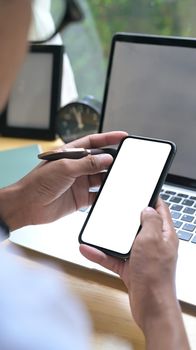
[(161, 17), (88, 43)]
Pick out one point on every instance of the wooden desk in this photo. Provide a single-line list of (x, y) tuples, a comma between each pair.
[(104, 296), (9, 142)]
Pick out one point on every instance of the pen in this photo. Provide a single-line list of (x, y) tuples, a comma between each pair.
[(75, 153)]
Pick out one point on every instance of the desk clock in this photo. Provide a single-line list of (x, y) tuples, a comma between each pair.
[(78, 118)]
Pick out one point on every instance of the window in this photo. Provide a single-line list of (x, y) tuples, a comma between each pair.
[(88, 42)]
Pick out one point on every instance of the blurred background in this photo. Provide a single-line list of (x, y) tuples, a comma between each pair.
[(88, 42)]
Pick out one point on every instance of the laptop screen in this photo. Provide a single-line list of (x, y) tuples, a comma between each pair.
[(151, 91)]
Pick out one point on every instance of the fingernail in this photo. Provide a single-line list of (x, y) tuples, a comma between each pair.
[(104, 156), (149, 210)]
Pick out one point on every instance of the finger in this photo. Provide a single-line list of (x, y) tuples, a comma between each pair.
[(151, 221), (91, 197), (96, 180), (113, 264), (164, 212), (99, 140), (88, 165)]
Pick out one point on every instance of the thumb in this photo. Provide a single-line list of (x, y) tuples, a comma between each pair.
[(91, 164), (151, 220)]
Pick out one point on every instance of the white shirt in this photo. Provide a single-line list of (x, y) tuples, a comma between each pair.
[(37, 311)]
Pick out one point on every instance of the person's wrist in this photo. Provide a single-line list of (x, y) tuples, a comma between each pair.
[(12, 207), (159, 307), (147, 306), (165, 325)]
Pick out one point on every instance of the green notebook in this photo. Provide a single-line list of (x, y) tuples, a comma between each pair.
[(17, 162)]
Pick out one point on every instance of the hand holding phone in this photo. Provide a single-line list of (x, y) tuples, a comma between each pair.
[(132, 183)]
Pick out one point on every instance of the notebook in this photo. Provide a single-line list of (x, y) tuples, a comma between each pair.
[(150, 90), (17, 162)]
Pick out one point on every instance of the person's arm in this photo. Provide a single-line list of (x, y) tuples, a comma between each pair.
[(159, 313), (163, 326), (57, 188), (149, 275)]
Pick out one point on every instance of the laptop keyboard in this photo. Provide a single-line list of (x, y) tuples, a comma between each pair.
[(183, 212)]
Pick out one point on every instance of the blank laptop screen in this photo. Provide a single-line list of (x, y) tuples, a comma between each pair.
[(152, 92)]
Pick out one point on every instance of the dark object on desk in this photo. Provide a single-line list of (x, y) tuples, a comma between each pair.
[(75, 153), (35, 97), (4, 230), (78, 118)]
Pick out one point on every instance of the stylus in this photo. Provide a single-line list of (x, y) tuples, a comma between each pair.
[(75, 153)]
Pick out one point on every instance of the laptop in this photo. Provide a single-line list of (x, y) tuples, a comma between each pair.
[(150, 90)]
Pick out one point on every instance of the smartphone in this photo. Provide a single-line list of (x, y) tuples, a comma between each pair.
[(132, 183)]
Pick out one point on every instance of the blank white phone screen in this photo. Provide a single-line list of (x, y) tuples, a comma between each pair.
[(115, 218)]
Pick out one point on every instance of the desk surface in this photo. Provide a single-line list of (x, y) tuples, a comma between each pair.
[(104, 296)]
